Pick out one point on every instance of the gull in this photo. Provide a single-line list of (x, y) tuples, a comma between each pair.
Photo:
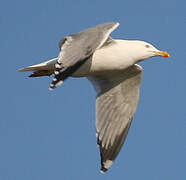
[(110, 65)]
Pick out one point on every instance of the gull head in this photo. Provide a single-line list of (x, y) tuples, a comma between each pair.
[(141, 50)]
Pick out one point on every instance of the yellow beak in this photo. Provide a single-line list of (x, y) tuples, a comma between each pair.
[(162, 53)]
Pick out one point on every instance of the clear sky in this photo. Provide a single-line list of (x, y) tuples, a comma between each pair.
[(51, 135)]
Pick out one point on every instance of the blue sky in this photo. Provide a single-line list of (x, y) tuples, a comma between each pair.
[(51, 135)]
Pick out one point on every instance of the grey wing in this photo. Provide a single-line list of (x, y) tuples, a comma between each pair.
[(116, 104), (77, 48)]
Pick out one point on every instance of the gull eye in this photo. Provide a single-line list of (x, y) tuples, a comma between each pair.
[(147, 46)]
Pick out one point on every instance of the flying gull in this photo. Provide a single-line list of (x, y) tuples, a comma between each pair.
[(110, 65)]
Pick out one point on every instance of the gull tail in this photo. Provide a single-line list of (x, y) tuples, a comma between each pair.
[(45, 68)]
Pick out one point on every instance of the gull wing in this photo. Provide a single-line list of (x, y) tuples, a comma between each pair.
[(77, 48), (116, 103)]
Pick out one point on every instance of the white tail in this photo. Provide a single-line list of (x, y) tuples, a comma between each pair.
[(47, 65), (43, 69)]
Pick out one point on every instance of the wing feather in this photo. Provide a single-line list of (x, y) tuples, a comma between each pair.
[(77, 48), (116, 104)]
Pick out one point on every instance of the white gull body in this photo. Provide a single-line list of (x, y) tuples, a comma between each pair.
[(117, 56), (111, 67)]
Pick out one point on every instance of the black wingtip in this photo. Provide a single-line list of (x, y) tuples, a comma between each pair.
[(52, 87), (103, 170)]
